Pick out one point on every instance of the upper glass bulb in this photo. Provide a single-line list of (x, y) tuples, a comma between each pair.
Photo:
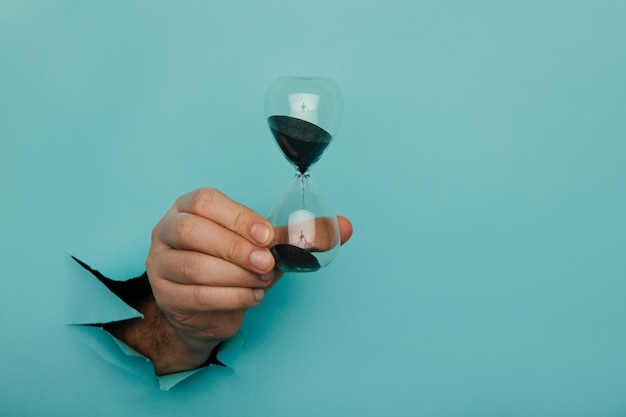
[(304, 114)]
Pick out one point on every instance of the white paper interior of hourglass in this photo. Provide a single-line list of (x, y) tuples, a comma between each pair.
[(301, 229), (304, 106)]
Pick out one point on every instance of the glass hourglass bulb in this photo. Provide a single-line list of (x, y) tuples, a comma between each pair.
[(307, 233), (303, 114)]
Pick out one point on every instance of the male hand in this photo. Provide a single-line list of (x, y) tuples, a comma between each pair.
[(208, 263)]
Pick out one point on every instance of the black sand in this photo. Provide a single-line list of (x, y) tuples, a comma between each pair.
[(294, 259), (302, 142)]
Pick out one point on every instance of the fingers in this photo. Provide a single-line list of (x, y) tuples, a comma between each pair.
[(210, 253), (215, 206), (190, 232), (189, 267), (345, 229), (209, 222), (209, 261), (204, 298)]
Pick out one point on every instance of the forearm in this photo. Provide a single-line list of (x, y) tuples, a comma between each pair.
[(155, 337)]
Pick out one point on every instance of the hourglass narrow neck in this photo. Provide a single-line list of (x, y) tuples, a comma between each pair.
[(302, 178)]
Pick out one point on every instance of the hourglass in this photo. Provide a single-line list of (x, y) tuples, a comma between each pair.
[(303, 114)]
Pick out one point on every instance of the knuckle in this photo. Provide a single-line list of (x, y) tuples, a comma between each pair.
[(183, 225), (152, 265), (239, 219), (159, 230), (243, 297), (179, 204), (189, 267), (202, 200), (234, 250), (149, 263), (201, 297), (154, 235)]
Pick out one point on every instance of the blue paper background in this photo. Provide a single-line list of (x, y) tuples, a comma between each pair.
[(481, 159)]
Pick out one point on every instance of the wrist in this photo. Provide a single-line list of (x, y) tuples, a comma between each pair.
[(156, 338)]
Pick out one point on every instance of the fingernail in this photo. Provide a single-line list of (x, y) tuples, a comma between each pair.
[(261, 259), (267, 277), (260, 232), (258, 294)]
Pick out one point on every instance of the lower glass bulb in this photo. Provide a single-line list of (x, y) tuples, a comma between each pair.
[(307, 232)]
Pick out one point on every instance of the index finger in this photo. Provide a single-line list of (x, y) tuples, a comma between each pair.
[(217, 207)]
